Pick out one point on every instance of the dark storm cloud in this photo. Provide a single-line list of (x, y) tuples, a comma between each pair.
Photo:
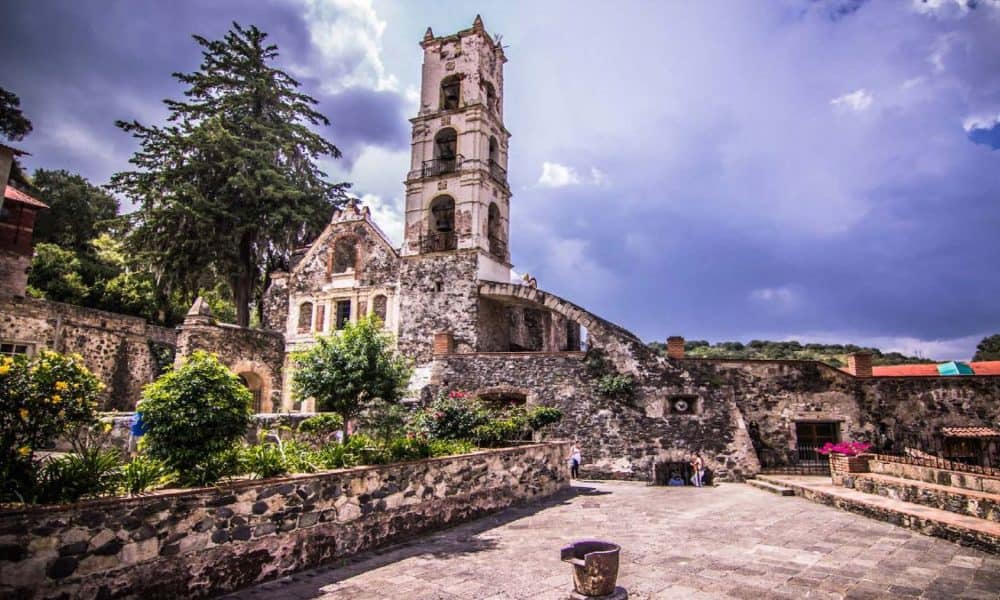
[(78, 69), (361, 117)]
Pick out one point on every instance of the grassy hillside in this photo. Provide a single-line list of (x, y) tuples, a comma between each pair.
[(832, 354)]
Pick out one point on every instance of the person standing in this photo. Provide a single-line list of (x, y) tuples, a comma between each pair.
[(697, 471), (574, 461)]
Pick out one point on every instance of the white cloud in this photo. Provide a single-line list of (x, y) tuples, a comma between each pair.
[(858, 100), (960, 348), (555, 175), (598, 177), (387, 216), (781, 299), (980, 122), (348, 36)]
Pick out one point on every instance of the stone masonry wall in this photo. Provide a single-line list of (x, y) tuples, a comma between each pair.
[(204, 542), (438, 293), (124, 352), (242, 349), (620, 439), (13, 273), (776, 394)]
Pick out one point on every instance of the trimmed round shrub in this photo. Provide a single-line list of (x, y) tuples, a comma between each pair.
[(195, 414)]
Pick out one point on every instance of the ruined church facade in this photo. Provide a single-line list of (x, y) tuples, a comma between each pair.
[(447, 297)]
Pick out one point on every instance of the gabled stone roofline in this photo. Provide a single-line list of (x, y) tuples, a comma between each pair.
[(352, 212)]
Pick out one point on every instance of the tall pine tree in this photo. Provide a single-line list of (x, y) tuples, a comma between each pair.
[(229, 186)]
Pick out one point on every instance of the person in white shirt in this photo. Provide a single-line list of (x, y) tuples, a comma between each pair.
[(574, 461)]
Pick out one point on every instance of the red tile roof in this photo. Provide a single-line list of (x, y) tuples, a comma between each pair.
[(990, 367), (15, 195), (924, 370), (987, 367), (970, 432)]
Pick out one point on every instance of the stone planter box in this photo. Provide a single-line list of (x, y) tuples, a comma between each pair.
[(204, 542), (843, 467)]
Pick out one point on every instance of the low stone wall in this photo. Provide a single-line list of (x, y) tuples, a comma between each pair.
[(956, 500), (927, 474), (197, 543)]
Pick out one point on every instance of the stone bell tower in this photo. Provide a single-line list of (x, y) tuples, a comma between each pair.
[(457, 195)]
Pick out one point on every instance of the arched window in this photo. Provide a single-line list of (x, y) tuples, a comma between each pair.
[(305, 317), (380, 306), (493, 231), (496, 171), (255, 384), (345, 255), (451, 88), (441, 234), (491, 96), (445, 151), (494, 150)]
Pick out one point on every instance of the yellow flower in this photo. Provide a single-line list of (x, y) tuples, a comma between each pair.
[(4, 369), (56, 398), (24, 450), (107, 427), (24, 414), (62, 386)]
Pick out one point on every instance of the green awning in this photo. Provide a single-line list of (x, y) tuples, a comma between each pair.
[(955, 368)]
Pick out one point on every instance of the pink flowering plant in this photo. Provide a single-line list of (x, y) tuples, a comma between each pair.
[(845, 448)]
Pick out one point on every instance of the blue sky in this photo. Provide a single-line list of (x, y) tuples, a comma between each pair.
[(819, 170)]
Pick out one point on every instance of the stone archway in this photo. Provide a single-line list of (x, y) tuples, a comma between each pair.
[(257, 377)]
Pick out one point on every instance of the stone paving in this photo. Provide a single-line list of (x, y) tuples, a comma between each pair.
[(731, 541)]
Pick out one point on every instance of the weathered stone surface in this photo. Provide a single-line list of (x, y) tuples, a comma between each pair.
[(178, 551), (124, 352)]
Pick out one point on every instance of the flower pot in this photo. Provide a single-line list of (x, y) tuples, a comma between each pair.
[(595, 566), (843, 466)]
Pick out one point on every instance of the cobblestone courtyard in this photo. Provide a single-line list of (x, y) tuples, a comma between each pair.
[(732, 541)]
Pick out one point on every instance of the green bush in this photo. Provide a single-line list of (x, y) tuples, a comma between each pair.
[(452, 416), (143, 474), (409, 448), (385, 421), (321, 429), (262, 460), (40, 399), (93, 471), (541, 416), (450, 447), (499, 431), (337, 456), (616, 386), (266, 459), (195, 415)]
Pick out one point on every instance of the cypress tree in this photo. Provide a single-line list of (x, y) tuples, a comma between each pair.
[(229, 186)]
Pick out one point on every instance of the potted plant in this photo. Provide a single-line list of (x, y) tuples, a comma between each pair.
[(846, 458)]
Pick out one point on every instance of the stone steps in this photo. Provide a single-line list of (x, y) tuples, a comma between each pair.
[(771, 487), (963, 529), (961, 501)]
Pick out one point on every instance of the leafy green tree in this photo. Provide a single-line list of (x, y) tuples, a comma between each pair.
[(14, 126), (78, 210), (55, 275), (231, 183), (988, 348), (196, 414), (350, 370)]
